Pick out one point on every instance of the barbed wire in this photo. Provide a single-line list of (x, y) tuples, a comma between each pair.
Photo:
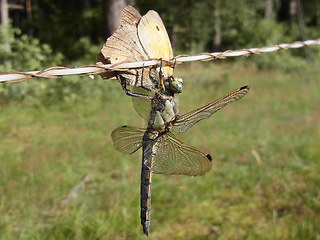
[(55, 72)]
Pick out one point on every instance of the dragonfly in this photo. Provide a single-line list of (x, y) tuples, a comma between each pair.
[(140, 38), (162, 151)]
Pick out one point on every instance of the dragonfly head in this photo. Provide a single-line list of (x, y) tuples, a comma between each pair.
[(168, 81), (174, 84)]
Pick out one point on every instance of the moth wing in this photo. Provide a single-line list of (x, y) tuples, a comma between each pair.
[(130, 16), (124, 46), (154, 38)]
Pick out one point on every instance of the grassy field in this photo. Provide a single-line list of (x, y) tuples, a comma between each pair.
[(61, 178)]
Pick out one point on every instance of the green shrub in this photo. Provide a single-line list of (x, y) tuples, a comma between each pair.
[(28, 54)]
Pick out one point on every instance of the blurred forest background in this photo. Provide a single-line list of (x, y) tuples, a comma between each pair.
[(36, 34), (61, 178)]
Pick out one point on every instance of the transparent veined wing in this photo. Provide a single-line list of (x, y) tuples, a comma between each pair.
[(127, 139), (172, 156), (142, 105), (189, 119)]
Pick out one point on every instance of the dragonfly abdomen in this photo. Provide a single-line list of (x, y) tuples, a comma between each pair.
[(145, 203), (148, 155)]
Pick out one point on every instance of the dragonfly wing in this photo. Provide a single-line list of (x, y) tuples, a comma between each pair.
[(142, 105), (127, 139), (189, 119), (172, 156)]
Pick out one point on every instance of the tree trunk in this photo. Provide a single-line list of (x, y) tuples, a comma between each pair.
[(293, 10), (29, 17), (113, 14), (268, 9), (217, 28), (318, 13), (4, 10)]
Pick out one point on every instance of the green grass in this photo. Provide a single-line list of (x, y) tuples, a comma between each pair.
[(264, 184)]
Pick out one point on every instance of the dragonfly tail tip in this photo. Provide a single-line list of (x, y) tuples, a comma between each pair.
[(146, 232)]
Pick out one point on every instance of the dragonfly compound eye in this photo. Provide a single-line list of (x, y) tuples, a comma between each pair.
[(175, 85)]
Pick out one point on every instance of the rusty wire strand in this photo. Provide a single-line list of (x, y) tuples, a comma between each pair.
[(55, 72)]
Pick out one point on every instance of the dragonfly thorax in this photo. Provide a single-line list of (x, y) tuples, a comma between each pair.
[(164, 115), (164, 112)]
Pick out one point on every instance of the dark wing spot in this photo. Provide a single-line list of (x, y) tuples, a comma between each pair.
[(157, 28), (209, 157), (124, 126), (247, 87)]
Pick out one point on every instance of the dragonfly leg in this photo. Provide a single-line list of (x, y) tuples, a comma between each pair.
[(130, 93), (161, 75), (133, 94)]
